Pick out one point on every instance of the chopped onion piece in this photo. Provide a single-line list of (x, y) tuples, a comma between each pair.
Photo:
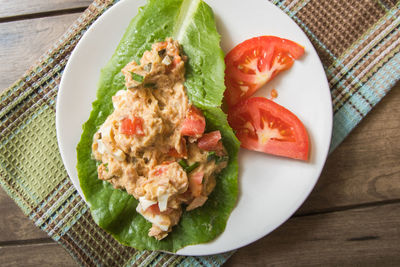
[(105, 131), (145, 203), (101, 148), (119, 155), (163, 201), (154, 219), (166, 60)]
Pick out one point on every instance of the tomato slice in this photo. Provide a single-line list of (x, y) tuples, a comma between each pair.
[(132, 127), (194, 123), (254, 62), (209, 141), (263, 125)]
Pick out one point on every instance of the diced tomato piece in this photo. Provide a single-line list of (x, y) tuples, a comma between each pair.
[(158, 172), (209, 141), (194, 123), (219, 149), (198, 177), (195, 183), (132, 127), (173, 153), (161, 168), (175, 62), (274, 94), (154, 209)]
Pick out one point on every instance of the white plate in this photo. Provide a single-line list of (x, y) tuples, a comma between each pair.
[(271, 188)]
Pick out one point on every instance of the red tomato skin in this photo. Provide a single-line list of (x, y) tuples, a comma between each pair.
[(195, 183), (209, 141), (198, 177), (173, 153), (265, 52), (160, 169), (194, 123), (296, 150), (132, 127)]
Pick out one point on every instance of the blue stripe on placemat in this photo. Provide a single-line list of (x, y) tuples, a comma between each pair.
[(346, 118)]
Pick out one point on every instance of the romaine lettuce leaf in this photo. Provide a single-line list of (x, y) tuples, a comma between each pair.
[(192, 23)]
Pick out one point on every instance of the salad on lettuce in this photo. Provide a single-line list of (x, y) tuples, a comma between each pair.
[(157, 160)]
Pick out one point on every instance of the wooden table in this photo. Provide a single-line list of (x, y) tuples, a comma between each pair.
[(351, 218)]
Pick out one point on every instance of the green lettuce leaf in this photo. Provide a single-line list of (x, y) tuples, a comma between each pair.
[(192, 23)]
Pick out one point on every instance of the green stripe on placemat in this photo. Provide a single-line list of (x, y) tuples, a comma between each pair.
[(358, 42)]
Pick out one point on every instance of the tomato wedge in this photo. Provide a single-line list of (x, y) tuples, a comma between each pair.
[(263, 125), (194, 123), (254, 62)]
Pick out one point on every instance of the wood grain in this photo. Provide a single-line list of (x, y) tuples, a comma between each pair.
[(14, 225), (365, 168), (23, 42), (22, 7), (33, 255), (330, 239)]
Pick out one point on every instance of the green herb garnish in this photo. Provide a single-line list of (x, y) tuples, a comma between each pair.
[(213, 156), (150, 85), (192, 167), (186, 167), (221, 159), (137, 77), (183, 163)]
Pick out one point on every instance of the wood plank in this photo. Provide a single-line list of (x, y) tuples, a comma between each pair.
[(48, 254), (14, 225), (358, 237), (24, 7), (23, 42), (366, 166)]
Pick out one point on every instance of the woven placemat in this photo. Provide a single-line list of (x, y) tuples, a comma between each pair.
[(358, 42)]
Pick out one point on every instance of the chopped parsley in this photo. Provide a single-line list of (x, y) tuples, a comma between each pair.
[(183, 164), (150, 85), (137, 77), (186, 167), (213, 156), (192, 167)]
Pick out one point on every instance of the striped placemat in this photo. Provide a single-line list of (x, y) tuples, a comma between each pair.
[(357, 40)]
